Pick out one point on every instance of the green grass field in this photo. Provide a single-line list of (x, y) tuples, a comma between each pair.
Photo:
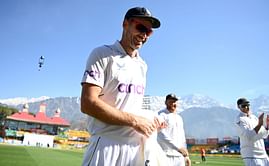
[(33, 156), (217, 160)]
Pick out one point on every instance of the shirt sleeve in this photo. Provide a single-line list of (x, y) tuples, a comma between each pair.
[(95, 68), (164, 137), (250, 133), (263, 133), (183, 138)]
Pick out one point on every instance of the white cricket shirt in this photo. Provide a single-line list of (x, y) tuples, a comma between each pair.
[(122, 80), (251, 143), (172, 137)]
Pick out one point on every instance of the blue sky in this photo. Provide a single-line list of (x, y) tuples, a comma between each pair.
[(217, 48)]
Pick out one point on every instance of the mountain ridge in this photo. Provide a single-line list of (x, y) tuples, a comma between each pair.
[(203, 116)]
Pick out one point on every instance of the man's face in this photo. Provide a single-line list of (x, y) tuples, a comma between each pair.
[(171, 105), (244, 108), (137, 32)]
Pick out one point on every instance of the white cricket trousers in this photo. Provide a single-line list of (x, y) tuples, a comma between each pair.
[(175, 161), (113, 151), (256, 162), (118, 151)]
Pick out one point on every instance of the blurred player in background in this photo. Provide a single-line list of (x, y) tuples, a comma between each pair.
[(172, 138), (202, 152), (251, 132)]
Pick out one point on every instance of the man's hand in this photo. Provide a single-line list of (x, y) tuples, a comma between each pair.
[(267, 122), (261, 119), (183, 151), (188, 161), (260, 123), (159, 124), (144, 126)]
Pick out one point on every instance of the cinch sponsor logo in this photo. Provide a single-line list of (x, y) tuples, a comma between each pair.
[(94, 74), (131, 88)]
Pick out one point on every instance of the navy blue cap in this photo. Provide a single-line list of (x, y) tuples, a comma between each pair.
[(141, 12), (242, 101), (171, 96)]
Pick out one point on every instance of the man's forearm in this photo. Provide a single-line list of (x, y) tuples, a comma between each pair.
[(106, 113)]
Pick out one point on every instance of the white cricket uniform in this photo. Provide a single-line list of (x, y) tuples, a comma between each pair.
[(252, 147), (153, 153), (172, 138), (123, 81)]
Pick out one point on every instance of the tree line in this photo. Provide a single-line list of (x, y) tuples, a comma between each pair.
[(6, 111)]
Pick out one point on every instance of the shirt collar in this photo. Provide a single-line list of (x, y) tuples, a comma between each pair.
[(245, 114), (122, 51)]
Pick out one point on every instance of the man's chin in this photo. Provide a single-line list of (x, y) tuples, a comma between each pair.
[(138, 46)]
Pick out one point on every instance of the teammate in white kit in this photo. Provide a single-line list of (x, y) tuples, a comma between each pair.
[(251, 132), (172, 138), (113, 87)]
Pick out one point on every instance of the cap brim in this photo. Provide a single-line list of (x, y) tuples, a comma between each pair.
[(154, 21), (245, 103), (172, 98)]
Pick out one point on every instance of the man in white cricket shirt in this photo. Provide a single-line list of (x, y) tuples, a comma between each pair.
[(172, 138), (251, 132), (113, 87)]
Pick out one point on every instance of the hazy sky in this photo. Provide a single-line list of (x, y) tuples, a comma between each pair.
[(217, 48)]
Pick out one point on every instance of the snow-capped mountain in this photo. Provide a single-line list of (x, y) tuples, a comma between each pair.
[(185, 102), (260, 104), (198, 100), (214, 122), (156, 103), (22, 100)]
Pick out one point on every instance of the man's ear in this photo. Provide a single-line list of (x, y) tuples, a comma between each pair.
[(125, 23), (165, 102)]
